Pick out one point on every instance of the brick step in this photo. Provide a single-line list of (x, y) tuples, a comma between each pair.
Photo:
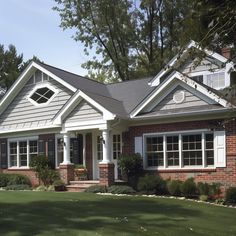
[(81, 185), (80, 182)]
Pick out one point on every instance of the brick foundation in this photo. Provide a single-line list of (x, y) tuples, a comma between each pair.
[(106, 172), (66, 173), (226, 176)]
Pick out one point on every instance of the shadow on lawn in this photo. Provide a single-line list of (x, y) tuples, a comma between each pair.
[(112, 214)]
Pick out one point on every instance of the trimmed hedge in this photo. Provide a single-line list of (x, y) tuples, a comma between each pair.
[(13, 179), (174, 187), (18, 187), (96, 189), (189, 188), (230, 196), (121, 189)]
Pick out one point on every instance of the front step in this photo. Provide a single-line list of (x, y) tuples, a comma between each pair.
[(81, 185)]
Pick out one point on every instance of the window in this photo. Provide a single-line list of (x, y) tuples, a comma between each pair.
[(21, 152), (13, 153), (172, 150), (42, 95), (155, 154), (198, 78), (179, 150), (216, 80), (116, 146), (99, 148)]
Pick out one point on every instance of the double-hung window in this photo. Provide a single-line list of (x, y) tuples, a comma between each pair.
[(21, 152), (182, 150)]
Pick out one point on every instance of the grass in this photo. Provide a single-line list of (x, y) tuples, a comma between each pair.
[(50, 213)]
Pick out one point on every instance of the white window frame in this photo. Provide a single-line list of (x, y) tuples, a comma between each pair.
[(38, 86), (112, 149), (206, 73), (180, 134), (18, 140)]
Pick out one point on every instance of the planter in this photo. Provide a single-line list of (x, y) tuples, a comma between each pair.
[(81, 174)]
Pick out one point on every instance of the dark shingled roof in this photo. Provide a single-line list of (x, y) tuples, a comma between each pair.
[(119, 98)]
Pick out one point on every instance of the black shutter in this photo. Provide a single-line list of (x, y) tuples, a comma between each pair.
[(41, 147), (51, 151), (75, 150), (3, 153)]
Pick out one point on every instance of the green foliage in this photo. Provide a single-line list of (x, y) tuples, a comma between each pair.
[(215, 189), (51, 188), (10, 65), (173, 187), (13, 179), (96, 189), (41, 188), (230, 196), (132, 39), (220, 201), (203, 188), (44, 170), (189, 188), (152, 184), (18, 187), (121, 189), (203, 198), (131, 168), (58, 182)]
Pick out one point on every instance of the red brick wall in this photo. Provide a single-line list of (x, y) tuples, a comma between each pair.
[(89, 155), (226, 176)]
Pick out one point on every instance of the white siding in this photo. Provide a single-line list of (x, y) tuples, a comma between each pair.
[(21, 113)]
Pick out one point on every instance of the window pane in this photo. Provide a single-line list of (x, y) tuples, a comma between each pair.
[(209, 152), (42, 95), (23, 153), (172, 152), (13, 154)]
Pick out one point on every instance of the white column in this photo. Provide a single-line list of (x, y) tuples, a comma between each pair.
[(66, 149), (106, 158), (84, 150)]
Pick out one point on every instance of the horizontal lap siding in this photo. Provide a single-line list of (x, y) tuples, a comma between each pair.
[(22, 113), (83, 112), (189, 101)]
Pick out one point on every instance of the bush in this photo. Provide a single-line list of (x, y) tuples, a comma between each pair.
[(44, 170), (3, 180), (230, 196), (203, 188), (131, 168), (203, 198), (215, 190), (18, 187), (152, 184), (13, 179), (173, 187), (59, 185), (188, 188), (96, 189), (50, 188), (41, 188), (120, 189)]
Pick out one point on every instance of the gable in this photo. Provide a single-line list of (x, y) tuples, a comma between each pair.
[(21, 113), (83, 112)]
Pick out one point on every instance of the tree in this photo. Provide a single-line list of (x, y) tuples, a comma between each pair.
[(10, 65), (132, 39), (26, 63)]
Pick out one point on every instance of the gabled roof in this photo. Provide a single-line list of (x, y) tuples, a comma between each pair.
[(170, 65), (203, 89)]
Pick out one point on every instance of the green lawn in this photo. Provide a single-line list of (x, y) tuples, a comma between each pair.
[(49, 213)]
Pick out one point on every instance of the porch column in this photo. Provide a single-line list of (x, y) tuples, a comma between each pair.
[(66, 167), (66, 149), (106, 167)]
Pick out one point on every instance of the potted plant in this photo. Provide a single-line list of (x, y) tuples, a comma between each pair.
[(59, 185), (81, 173)]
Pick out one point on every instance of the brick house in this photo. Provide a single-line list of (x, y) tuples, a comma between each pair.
[(181, 121)]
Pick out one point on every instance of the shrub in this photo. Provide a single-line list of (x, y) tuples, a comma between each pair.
[(59, 185), (18, 187), (188, 188), (13, 179), (96, 189), (173, 187), (3, 180), (203, 188), (120, 189), (44, 170), (230, 196), (131, 168), (215, 190), (203, 198), (152, 184), (41, 188), (50, 188)]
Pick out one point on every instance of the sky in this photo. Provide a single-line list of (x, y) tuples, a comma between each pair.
[(33, 28)]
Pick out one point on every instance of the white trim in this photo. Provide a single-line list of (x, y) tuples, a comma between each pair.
[(74, 101), (180, 134), (156, 80), (194, 85), (42, 85)]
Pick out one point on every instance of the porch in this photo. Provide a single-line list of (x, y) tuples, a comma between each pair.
[(95, 150)]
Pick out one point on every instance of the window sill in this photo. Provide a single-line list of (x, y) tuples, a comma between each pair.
[(178, 170), (19, 168)]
